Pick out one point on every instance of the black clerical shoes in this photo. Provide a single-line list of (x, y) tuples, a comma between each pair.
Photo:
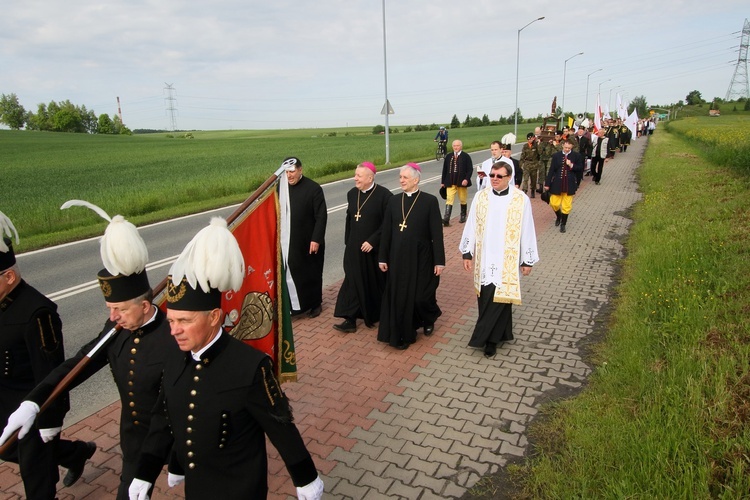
[(428, 329), (347, 326), (490, 349), (75, 472), (314, 312)]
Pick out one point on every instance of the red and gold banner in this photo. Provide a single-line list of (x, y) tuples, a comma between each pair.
[(259, 313), (257, 310)]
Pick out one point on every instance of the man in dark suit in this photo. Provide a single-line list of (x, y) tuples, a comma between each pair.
[(457, 171), (135, 354), (562, 182), (31, 345), (584, 148), (219, 396)]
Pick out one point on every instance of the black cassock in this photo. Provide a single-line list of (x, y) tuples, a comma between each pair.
[(362, 290), (309, 216), (411, 254)]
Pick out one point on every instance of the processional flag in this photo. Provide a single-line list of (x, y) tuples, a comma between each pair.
[(259, 313), (597, 115)]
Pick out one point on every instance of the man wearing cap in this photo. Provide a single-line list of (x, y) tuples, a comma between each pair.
[(530, 163), (362, 290), (220, 398), (456, 178), (31, 345), (500, 237), (562, 182), (308, 219), (412, 252), (136, 353)]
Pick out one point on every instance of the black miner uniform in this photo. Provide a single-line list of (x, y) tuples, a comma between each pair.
[(136, 359), (220, 410), (31, 345)]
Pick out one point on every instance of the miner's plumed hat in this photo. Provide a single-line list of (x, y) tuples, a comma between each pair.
[(508, 140), (124, 255), (7, 256), (210, 264)]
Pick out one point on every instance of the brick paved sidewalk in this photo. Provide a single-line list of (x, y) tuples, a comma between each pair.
[(430, 421)]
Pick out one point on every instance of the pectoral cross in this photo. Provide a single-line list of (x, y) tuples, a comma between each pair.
[(357, 216), (402, 226)]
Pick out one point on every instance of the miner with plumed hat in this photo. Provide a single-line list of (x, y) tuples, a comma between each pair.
[(220, 397), (31, 346), (362, 289), (135, 354)]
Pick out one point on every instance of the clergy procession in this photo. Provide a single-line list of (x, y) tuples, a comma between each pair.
[(197, 403)]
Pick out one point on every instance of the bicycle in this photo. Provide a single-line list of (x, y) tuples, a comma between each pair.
[(441, 151)]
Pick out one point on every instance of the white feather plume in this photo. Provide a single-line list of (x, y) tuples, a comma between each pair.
[(212, 259), (81, 203), (509, 138), (7, 227), (122, 249)]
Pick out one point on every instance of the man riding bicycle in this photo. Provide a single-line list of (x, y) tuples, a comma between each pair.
[(442, 139)]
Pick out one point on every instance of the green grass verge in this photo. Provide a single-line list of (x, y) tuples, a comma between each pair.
[(667, 410), (153, 177)]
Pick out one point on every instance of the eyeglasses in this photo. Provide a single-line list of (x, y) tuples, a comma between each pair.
[(498, 176)]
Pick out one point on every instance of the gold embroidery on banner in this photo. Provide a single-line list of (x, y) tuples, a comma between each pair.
[(288, 354), (256, 318)]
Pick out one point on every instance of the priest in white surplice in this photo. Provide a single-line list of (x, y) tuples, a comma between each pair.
[(499, 234)]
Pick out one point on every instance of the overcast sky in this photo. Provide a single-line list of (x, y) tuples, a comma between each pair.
[(250, 64)]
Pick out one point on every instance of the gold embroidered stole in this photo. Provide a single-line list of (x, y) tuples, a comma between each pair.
[(509, 290)]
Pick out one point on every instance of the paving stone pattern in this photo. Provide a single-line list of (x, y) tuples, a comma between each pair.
[(429, 422)]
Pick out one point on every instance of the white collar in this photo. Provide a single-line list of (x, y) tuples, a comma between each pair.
[(197, 355)]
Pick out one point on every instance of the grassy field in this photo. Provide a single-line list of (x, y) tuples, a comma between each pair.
[(667, 411), (153, 177)]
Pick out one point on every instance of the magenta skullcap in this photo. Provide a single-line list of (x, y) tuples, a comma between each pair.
[(414, 166), (370, 166)]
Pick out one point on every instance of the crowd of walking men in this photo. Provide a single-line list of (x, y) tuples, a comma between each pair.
[(202, 402)]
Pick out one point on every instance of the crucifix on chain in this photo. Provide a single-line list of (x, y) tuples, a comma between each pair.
[(402, 226), (357, 216)]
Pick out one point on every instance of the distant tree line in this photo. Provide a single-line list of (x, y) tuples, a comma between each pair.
[(61, 116), (469, 121)]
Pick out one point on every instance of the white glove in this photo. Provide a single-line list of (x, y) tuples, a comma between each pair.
[(174, 479), (23, 418), (312, 491), (139, 489), (49, 434)]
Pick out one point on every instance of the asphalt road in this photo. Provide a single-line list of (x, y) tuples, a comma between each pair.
[(66, 273)]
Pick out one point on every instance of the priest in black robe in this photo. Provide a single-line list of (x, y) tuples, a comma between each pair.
[(308, 218), (412, 251), (362, 290)]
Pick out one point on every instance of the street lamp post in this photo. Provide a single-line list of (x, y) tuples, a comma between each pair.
[(599, 92), (565, 70), (586, 105), (386, 106), (518, 52)]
